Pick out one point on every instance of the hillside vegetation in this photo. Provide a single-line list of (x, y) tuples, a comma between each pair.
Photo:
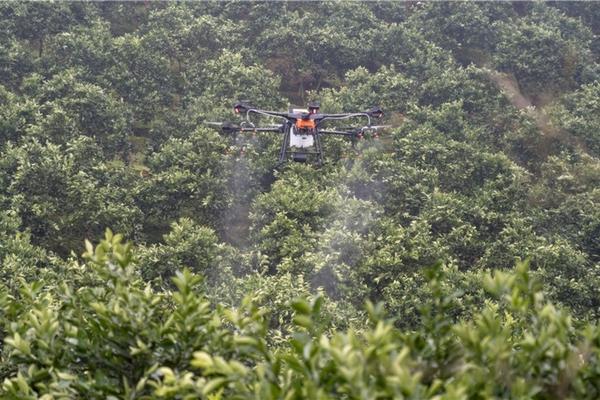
[(456, 258)]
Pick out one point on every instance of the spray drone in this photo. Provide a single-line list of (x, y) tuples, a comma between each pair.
[(302, 129)]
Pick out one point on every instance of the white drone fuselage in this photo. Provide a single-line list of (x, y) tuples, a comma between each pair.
[(298, 139)]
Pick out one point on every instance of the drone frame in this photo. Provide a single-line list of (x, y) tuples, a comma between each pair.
[(302, 124)]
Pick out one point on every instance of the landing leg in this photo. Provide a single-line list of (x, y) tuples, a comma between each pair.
[(319, 149), (284, 145)]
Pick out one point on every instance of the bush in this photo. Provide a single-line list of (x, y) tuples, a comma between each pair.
[(116, 337)]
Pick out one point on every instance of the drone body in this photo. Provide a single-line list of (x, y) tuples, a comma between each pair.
[(301, 129)]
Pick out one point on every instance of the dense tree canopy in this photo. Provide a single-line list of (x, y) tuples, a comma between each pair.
[(250, 281)]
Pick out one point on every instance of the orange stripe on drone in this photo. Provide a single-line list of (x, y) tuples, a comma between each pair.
[(305, 123)]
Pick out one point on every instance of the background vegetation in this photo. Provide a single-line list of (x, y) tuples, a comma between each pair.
[(246, 282)]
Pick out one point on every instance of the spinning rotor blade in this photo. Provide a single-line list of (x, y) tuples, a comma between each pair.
[(355, 129), (376, 127), (226, 127), (348, 132), (273, 129), (373, 130)]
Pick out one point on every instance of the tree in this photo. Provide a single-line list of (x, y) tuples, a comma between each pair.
[(63, 194), (141, 77), (16, 116), (35, 22), (309, 47), (467, 28), (87, 49), (20, 260), (577, 114), (284, 222), (187, 39), (69, 107), (187, 178), (222, 81), (562, 50), (15, 62), (187, 245)]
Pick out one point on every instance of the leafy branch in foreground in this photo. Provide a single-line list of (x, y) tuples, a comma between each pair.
[(117, 336)]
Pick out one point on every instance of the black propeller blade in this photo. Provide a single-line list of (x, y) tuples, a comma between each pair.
[(226, 127)]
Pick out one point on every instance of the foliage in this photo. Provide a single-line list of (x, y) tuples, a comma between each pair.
[(249, 281), (118, 337), (563, 50), (186, 246), (577, 115), (70, 108), (186, 178), (64, 195)]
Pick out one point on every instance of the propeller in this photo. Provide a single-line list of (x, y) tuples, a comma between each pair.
[(273, 126), (226, 127), (364, 128), (376, 127), (375, 112)]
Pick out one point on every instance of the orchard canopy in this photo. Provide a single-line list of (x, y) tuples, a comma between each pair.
[(145, 255)]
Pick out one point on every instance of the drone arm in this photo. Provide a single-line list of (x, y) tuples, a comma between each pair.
[(374, 112), (334, 132), (344, 116), (271, 130), (267, 113)]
